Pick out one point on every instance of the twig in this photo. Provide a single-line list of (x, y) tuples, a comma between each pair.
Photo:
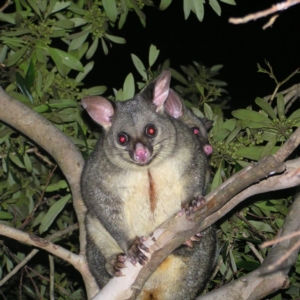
[(275, 8)]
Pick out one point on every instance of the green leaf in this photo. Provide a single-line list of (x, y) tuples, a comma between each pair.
[(248, 265), (267, 150), (59, 6), (261, 226), (66, 58), (12, 60), (96, 90), (253, 153), (139, 66), (27, 163), (217, 181), (110, 8), (35, 7), (87, 69), (21, 83), (7, 18), (153, 54), (104, 47), (5, 215), (266, 205), (266, 107), (231, 2), (250, 124), (62, 184), (63, 103), (215, 6), (295, 115), (164, 4), (199, 9), (208, 111), (115, 39), (246, 114), (128, 87), (30, 74), (52, 213), (41, 108), (229, 124), (221, 135), (16, 160), (233, 134), (187, 8), (92, 49), (66, 24), (78, 21), (280, 106), (178, 76), (77, 42)]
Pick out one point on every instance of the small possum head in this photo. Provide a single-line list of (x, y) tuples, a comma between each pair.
[(138, 132), (175, 107)]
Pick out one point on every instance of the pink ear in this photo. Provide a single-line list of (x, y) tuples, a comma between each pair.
[(173, 105), (99, 109), (161, 89)]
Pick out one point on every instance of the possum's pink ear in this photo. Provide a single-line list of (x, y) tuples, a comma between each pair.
[(161, 89), (99, 108), (174, 106)]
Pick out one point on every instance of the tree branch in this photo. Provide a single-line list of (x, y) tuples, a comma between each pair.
[(275, 8)]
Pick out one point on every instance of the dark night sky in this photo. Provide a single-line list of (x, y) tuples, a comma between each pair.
[(214, 41)]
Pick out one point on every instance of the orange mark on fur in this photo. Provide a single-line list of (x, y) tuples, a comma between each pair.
[(152, 194)]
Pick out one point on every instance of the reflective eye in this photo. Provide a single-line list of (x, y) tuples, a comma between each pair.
[(150, 130), (196, 131), (123, 138)]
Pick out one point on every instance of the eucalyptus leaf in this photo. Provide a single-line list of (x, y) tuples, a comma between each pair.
[(104, 47), (41, 108), (30, 75), (62, 184), (229, 124), (52, 213), (221, 135)]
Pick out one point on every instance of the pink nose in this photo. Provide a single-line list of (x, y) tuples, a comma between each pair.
[(141, 153)]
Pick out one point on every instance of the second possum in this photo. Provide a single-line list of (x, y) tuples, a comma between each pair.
[(145, 167)]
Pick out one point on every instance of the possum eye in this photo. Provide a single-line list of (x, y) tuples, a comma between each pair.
[(150, 130), (123, 138), (196, 131)]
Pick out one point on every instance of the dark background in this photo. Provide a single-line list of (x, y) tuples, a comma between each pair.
[(214, 41)]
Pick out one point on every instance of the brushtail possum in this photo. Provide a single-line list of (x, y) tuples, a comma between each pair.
[(145, 166)]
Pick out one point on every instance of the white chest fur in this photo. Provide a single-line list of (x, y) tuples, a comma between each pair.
[(151, 196)]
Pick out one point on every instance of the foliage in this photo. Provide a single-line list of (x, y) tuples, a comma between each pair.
[(45, 53)]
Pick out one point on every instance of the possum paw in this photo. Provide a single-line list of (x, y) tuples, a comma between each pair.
[(192, 239), (116, 265), (135, 253)]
